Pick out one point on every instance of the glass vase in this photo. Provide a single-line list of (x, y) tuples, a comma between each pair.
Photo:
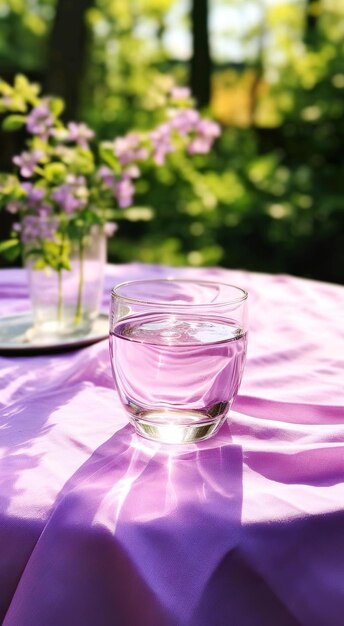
[(66, 302)]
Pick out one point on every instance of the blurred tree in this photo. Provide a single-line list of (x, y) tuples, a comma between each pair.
[(67, 53), (127, 66), (258, 74), (313, 10), (200, 71), (270, 196)]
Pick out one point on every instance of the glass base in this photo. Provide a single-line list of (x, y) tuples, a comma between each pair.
[(175, 427), (55, 329)]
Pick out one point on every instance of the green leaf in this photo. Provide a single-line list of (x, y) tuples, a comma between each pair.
[(10, 249), (55, 172), (82, 161), (10, 186), (40, 264), (6, 245), (136, 214), (28, 91), (5, 88), (107, 155), (32, 252), (12, 253), (57, 106), (64, 264), (13, 122)]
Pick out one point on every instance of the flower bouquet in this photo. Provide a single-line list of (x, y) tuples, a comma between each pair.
[(66, 190)]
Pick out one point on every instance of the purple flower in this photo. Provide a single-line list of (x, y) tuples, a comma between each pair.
[(206, 131), (124, 148), (72, 195), (44, 210), (124, 191), (107, 176), (80, 133), (38, 227), (27, 161), (13, 207), (123, 188), (185, 121), (65, 198), (76, 182), (127, 149), (199, 145), (34, 195), (180, 93), (162, 144), (131, 172), (40, 120), (30, 229), (110, 228), (208, 128), (32, 202)]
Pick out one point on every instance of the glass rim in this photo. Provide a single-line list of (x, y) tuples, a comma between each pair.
[(225, 302)]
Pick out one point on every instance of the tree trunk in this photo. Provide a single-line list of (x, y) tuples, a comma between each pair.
[(200, 75), (312, 17), (258, 73), (67, 48)]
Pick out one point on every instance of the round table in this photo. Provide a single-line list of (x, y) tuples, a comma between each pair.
[(101, 528)]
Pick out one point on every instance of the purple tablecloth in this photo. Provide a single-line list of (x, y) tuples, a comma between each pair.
[(99, 528)]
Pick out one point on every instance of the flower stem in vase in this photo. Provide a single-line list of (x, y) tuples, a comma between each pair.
[(78, 310), (59, 296)]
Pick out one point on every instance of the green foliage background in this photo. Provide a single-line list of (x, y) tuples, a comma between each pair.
[(270, 195)]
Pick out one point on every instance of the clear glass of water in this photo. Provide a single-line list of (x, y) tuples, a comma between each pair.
[(178, 350)]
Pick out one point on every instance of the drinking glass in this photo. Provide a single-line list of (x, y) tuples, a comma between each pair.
[(177, 351)]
